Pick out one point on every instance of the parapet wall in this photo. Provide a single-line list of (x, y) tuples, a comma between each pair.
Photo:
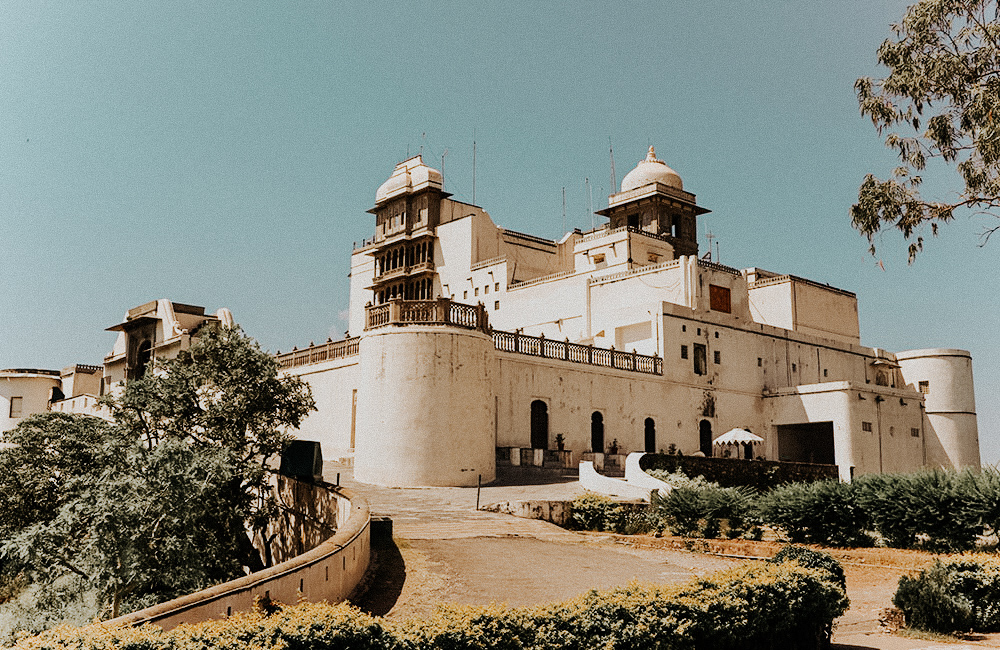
[(329, 569)]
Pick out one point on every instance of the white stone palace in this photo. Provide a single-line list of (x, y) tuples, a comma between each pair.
[(468, 338), (472, 342)]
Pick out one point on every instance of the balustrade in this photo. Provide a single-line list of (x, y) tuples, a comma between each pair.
[(539, 346), (427, 312), (329, 351)]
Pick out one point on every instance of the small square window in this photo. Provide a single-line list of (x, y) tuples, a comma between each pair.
[(793, 367), (716, 335), (684, 352), (684, 328), (496, 305), (717, 357), (16, 406), (477, 291), (925, 387), (915, 433), (486, 289), (465, 295), (866, 426), (760, 362), (826, 373), (699, 331), (496, 286)]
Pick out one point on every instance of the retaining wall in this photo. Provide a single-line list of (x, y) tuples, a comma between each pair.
[(329, 571)]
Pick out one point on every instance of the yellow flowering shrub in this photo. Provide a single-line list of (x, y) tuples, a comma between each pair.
[(756, 605)]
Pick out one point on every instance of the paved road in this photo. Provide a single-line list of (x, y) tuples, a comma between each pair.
[(447, 551)]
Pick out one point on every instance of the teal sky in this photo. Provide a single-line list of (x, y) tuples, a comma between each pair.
[(224, 153)]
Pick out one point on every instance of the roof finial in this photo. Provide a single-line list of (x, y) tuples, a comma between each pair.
[(651, 156)]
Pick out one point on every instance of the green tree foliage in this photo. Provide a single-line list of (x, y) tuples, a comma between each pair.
[(941, 99), (221, 393), (158, 503)]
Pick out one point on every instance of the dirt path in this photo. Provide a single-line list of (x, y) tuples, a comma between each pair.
[(446, 551)]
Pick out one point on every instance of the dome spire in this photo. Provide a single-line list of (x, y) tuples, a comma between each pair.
[(651, 155)]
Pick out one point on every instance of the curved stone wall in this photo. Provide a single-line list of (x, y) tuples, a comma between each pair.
[(330, 571), (427, 414)]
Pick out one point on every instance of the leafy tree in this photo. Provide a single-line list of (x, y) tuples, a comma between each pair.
[(221, 393), (943, 94), (159, 503)]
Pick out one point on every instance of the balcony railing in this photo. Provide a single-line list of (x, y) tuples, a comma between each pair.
[(400, 271), (539, 346), (329, 351), (427, 312)]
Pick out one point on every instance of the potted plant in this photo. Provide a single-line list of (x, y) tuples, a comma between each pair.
[(560, 442)]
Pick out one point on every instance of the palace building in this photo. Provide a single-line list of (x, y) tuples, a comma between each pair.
[(469, 340)]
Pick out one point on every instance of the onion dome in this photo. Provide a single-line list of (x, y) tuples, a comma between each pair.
[(651, 170)]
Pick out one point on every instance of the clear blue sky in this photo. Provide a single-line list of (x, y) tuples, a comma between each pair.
[(224, 153)]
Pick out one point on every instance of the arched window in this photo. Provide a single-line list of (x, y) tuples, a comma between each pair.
[(650, 436), (597, 432), (142, 356), (539, 425), (705, 437)]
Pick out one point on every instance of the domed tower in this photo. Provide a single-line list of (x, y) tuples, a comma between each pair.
[(407, 212), (652, 200), (944, 376)]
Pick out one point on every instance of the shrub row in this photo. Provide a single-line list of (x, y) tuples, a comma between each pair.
[(935, 510), (758, 605), (959, 595), (941, 511)]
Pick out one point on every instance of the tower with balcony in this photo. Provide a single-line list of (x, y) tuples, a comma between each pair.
[(407, 211)]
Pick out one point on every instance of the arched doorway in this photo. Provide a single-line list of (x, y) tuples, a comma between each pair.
[(539, 425), (597, 432), (705, 437), (650, 436)]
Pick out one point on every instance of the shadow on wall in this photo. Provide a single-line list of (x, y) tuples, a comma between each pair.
[(383, 584)]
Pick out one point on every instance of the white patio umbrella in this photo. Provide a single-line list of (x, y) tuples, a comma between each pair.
[(738, 439)]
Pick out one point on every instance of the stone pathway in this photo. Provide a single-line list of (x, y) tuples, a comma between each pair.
[(447, 551)]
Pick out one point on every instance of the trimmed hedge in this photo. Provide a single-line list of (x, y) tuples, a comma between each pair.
[(957, 595), (753, 606), (762, 475)]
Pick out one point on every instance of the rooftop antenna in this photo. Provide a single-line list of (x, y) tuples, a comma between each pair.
[(442, 167), (423, 140), (590, 201), (473, 166), (614, 177), (709, 236), (564, 208)]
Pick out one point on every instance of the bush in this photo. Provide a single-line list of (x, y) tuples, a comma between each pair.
[(679, 479), (597, 512), (753, 606), (813, 560), (593, 512), (701, 512), (938, 510), (958, 595), (825, 512)]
